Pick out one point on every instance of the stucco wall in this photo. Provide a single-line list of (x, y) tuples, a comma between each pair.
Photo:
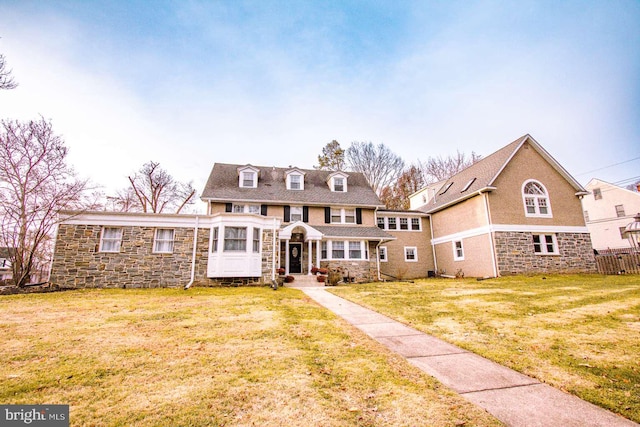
[(477, 260), (396, 266), (466, 215)]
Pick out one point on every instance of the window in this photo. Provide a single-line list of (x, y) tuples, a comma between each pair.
[(410, 254), (545, 244), (467, 185), (535, 198), (337, 250), (355, 250), (350, 216), (586, 216), (338, 184), (415, 224), (164, 241), (248, 179), (214, 239), (597, 194), (295, 213), (620, 211), (381, 223), (458, 251), (111, 239), (246, 209), (391, 223), (295, 181), (336, 215), (256, 240), (404, 224), (235, 239), (623, 234), (446, 188), (382, 253), (323, 250)]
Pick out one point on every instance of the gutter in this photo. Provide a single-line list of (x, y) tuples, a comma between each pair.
[(433, 246), (193, 255)]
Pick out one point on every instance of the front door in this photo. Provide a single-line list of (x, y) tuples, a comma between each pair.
[(295, 257)]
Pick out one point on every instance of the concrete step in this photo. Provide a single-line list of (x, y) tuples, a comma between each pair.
[(303, 281)]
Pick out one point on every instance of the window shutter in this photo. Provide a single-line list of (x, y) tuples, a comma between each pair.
[(305, 214), (287, 213), (327, 215), (358, 215), (263, 210), (228, 207)]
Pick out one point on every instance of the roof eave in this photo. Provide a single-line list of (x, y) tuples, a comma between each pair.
[(486, 189)]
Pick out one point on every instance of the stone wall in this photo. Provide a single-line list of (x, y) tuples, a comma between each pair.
[(515, 254), (78, 262)]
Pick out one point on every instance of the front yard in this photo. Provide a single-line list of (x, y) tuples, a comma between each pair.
[(214, 357), (578, 333)]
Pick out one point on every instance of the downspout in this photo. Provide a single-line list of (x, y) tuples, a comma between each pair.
[(193, 255), (273, 255), (433, 246), (491, 242), (378, 260)]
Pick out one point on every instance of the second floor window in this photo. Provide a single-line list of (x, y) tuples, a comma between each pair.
[(620, 211), (536, 200)]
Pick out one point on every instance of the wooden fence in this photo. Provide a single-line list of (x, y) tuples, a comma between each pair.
[(622, 263)]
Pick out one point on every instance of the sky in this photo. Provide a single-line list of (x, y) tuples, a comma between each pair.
[(190, 83)]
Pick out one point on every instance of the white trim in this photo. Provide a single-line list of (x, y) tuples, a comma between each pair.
[(415, 254), (386, 254), (535, 198), (156, 241), (457, 257), (516, 228)]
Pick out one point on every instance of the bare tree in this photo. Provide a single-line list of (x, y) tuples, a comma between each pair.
[(439, 168), (396, 195), (156, 191), (35, 185), (6, 79), (380, 166), (332, 157)]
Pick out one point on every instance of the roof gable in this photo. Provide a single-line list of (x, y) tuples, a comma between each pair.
[(482, 175)]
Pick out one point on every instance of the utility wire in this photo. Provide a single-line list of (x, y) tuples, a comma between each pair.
[(607, 167)]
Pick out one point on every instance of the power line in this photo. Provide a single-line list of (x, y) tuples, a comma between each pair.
[(607, 167)]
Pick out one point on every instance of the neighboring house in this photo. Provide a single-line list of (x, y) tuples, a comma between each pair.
[(515, 211), (5, 264), (608, 209)]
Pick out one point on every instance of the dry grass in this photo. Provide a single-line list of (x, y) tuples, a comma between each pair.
[(215, 357), (578, 333)]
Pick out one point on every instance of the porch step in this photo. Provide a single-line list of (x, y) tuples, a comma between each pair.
[(303, 281)]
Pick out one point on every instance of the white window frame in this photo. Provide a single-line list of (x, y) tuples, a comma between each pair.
[(248, 175), (238, 208), (117, 241), (407, 250), (414, 221), (299, 181), (215, 238), (327, 249), (543, 243), (344, 214), (256, 238), (382, 254), (227, 239), (536, 201), (158, 241), (458, 250), (620, 211), (295, 213)]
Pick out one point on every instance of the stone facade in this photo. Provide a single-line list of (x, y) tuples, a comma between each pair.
[(79, 262), (515, 254)]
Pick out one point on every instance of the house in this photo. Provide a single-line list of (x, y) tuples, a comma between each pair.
[(6, 273), (608, 209), (515, 211), (258, 219)]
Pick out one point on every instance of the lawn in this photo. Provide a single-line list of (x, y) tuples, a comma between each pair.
[(578, 333), (214, 357)]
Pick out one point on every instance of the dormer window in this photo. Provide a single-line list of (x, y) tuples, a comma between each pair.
[(248, 176), (295, 179), (338, 182)]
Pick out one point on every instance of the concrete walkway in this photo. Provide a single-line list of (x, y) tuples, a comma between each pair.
[(513, 398)]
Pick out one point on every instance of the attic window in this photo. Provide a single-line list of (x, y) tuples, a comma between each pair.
[(295, 180), (338, 184), (446, 188), (466, 187)]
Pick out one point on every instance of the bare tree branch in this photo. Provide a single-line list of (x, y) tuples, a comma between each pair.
[(6, 79), (377, 163), (35, 185)]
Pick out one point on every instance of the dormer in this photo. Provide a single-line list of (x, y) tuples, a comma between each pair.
[(248, 176), (294, 179), (337, 182)]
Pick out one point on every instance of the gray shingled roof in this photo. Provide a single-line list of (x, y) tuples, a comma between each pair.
[(369, 233), (484, 172), (222, 185)]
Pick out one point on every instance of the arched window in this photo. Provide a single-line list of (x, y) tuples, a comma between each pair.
[(536, 199)]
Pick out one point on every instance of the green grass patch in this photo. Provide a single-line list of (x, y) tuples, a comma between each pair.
[(232, 356), (579, 333)]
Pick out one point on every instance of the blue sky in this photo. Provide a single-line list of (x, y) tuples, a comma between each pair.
[(190, 83)]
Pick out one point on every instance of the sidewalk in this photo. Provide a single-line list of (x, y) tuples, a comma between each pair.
[(513, 398)]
